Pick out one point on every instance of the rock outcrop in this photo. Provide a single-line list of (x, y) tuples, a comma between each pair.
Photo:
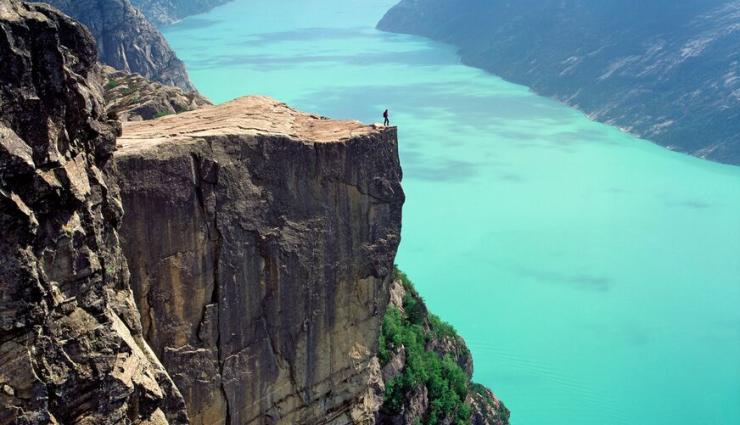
[(164, 12), (132, 97), (261, 243), (665, 70), (127, 41), (71, 345)]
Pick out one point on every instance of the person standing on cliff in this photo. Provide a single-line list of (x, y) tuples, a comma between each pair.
[(386, 122)]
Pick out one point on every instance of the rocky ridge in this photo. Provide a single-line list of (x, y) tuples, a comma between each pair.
[(132, 97), (71, 345), (126, 40), (664, 70)]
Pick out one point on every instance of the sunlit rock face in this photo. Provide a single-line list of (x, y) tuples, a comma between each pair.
[(664, 70), (71, 348), (261, 243)]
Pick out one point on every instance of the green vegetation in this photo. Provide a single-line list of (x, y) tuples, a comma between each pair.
[(446, 382), (112, 84), (161, 114)]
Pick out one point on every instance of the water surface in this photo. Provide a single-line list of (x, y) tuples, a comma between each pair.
[(595, 276)]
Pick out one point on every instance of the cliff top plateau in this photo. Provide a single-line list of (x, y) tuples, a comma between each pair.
[(252, 115)]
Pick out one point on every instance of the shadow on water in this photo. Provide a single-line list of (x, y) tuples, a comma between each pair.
[(268, 62), (190, 24), (318, 35), (581, 281)]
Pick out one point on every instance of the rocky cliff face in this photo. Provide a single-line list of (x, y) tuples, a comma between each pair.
[(261, 242), (132, 97), (664, 70), (71, 346), (127, 41), (164, 12)]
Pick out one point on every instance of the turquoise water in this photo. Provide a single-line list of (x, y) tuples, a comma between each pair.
[(595, 276)]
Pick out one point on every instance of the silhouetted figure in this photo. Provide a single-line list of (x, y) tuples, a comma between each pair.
[(385, 118)]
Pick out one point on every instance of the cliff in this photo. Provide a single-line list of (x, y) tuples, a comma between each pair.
[(126, 40), (164, 12), (261, 243), (132, 97), (71, 347), (664, 70)]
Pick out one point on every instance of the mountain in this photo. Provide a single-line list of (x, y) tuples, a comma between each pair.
[(126, 40), (663, 70), (164, 12)]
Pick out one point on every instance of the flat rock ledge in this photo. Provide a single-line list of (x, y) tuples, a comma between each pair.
[(245, 116)]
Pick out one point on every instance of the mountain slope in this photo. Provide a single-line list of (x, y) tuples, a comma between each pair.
[(664, 70), (127, 41)]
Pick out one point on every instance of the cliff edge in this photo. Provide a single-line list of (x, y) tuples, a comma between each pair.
[(261, 243)]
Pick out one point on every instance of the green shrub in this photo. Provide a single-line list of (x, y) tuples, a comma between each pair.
[(161, 114), (110, 85), (446, 382)]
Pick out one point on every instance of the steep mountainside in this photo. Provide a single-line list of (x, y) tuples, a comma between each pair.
[(132, 97), (71, 348), (163, 12), (664, 70), (126, 40)]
